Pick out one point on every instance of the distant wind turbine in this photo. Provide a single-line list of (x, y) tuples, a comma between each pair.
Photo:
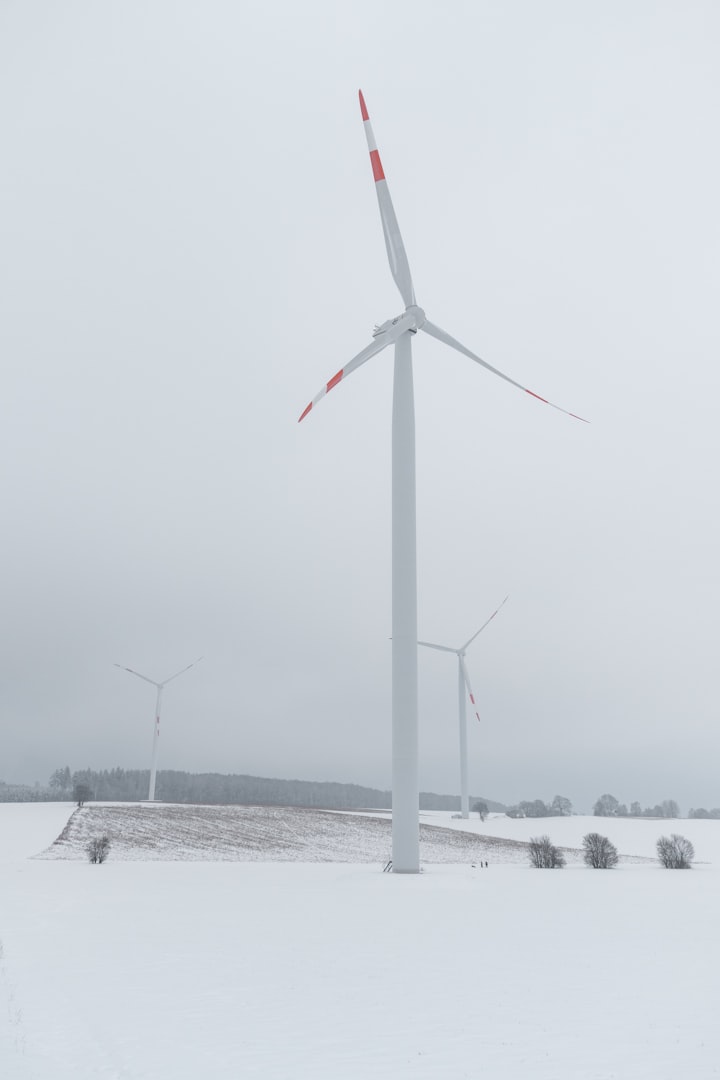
[(463, 682), (399, 332), (159, 686)]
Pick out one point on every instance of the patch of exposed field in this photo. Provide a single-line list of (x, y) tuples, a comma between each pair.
[(262, 834)]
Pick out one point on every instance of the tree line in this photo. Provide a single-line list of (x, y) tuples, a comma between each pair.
[(11, 793), (131, 785), (536, 808), (609, 806), (606, 806)]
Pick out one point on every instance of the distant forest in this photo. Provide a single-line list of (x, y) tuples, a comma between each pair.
[(131, 785)]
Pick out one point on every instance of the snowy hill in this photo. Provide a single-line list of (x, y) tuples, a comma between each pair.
[(264, 834)]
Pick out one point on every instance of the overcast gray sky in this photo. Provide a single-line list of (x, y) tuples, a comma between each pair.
[(191, 247)]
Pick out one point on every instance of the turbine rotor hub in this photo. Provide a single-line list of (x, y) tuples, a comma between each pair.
[(411, 320), (418, 315)]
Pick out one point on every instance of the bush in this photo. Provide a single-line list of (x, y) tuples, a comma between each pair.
[(544, 855), (599, 852), (98, 849), (675, 852)]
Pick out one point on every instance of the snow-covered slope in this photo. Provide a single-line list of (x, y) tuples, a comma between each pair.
[(143, 831), (263, 834)]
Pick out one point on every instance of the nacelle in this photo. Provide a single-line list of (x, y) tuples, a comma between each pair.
[(410, 320)]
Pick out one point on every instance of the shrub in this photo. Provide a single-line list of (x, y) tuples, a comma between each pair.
[(544, 855), (98, 849), (675, 852), (599, 852)]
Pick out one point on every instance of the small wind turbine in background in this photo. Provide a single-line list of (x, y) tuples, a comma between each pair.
[(159, 687), (400, 332), (463, 682)]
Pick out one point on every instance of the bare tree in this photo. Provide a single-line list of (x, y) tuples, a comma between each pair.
[(98, 849), (675, 852), (599, 852), (481, 808), (606, 806), (544, 855), (561, 806), (81, 793)]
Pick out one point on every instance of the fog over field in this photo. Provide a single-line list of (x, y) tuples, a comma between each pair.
[(192, 248)]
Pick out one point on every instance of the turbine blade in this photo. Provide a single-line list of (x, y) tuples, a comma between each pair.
[(182, 672), (442, 648), (466, 677), (470, 641), (399, 266), (441, 335), (151, 681), (376, 346)]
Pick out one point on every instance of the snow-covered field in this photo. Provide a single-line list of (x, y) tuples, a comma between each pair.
[(161, 832), (170, 970)]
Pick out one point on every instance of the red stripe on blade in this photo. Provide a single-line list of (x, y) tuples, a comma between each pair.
[(377, 168), (537, 396), (306, 412), (472, 699), (335, 380), (363, 106)]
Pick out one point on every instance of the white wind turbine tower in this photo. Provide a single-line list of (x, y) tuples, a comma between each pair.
[(398, 332), (463, 683), (156, 735)]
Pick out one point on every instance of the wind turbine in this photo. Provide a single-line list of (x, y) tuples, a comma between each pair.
[(463, 682), (159, 686), (397, 332)]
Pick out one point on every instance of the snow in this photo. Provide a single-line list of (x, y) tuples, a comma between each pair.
[(635, 837), (143, 969)]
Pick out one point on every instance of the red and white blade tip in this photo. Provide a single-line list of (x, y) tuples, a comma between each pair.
[(378, 171), (326, 390), (546, 402)]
